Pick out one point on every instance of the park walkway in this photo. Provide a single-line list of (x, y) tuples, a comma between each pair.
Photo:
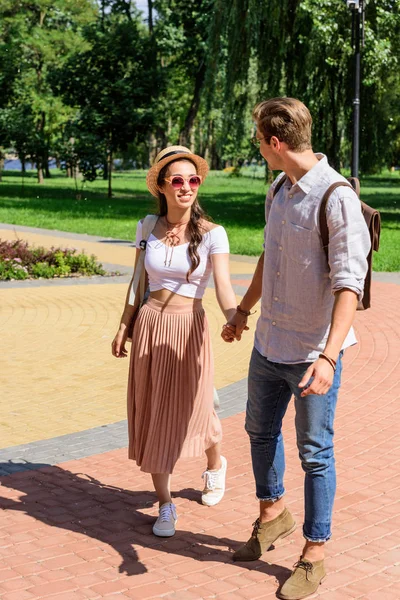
[(77, 515)]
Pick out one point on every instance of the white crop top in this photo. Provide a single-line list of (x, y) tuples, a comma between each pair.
[(173, 277)]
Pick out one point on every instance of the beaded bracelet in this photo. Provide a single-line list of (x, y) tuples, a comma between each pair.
[(245, 313), (330, 360)]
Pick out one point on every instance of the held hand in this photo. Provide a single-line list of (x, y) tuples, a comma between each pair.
[(322, 373), (239, 322), (234, 328), (118, 344), (228, 333)]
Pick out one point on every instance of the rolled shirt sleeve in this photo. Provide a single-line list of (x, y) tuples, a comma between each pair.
[(349, 242)]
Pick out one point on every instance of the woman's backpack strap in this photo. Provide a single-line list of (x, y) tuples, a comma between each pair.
[(139, 276)]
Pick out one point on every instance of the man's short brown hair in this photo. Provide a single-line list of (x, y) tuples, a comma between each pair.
[(287, 119)]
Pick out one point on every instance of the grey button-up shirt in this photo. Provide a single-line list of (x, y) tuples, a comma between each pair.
[(298, 286)]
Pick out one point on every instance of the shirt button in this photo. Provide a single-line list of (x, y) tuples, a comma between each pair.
[(280, 248), (283, 222), (290, 195), (278, 274), (273, 322), (276, 298)]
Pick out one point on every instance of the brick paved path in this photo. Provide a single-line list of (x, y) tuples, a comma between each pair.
[(82, 528)]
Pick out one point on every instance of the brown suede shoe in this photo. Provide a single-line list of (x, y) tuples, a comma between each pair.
[(264, 535), (304, 580)]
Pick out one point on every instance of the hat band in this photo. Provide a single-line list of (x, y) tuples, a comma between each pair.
[(172, 153)]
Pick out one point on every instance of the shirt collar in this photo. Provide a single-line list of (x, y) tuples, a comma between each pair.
[(307, 182)]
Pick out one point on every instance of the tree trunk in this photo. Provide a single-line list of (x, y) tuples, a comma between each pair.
[(150, 13), (193, 140), (47, 173), (103, 13), (127, 6), (39, 166), (334, 150), (269, 174), (215, 160), (40, 156), (1, 167), (105, 170), (152, 148), (290, 46), (168, 133), (162, 137), (184, 135), (110, 167)]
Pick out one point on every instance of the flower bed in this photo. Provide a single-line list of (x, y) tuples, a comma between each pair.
[(19, 261)]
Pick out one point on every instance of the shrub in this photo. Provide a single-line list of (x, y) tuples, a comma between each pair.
[(17, 249), (82, 263), (19, 261), (43, 269), (12, 269)]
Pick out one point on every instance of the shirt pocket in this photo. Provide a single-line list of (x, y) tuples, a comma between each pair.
[(299, 244)]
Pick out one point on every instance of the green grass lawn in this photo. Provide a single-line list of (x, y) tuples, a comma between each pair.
[(236, 203)]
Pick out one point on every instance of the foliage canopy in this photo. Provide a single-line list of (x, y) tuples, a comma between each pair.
[(85, 81)]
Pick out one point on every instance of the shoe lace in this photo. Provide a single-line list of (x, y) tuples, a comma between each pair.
[(166, 511), (304, 564), (256, 528), (210, 479)]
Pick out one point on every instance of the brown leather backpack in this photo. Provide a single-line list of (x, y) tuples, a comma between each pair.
[(372, 218)]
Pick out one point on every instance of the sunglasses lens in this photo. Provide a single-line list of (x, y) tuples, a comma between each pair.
[(194, 182), (177, 182)]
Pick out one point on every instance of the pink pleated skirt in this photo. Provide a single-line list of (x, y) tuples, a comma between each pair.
[(170, 390)]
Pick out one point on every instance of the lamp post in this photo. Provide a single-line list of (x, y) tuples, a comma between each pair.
[(357, 8)]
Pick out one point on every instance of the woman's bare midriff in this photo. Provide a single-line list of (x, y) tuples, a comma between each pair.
[(172, 298)]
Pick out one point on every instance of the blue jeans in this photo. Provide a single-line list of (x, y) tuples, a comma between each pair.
[(271, 386)]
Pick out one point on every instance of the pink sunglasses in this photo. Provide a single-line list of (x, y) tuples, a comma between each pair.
[(177, 181)]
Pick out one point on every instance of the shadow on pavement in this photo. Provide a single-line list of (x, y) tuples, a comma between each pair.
[(79, 503)]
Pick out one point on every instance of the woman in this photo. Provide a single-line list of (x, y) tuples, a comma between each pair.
[(170, 390)]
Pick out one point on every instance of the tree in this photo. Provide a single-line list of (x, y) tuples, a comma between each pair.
[(181, 34), (113, 84), (303, 48), (42, 33)]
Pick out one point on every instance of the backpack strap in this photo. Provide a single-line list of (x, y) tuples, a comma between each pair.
[(323, 223), (279, 185), (355, 184), (148, 225), (139, 275)]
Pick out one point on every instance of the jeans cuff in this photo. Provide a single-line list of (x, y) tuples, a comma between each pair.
[(317, 540), (270, 499)]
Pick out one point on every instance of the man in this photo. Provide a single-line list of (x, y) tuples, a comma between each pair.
[(307, 309)]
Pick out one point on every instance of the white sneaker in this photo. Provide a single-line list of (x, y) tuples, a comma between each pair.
[(214, 487), (167, 518)]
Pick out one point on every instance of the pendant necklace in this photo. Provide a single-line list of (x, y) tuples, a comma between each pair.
[(172, 239)]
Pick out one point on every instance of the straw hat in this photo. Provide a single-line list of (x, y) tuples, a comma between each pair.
[(166, 156)]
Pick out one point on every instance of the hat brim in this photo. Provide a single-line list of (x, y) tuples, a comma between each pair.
[(152, 175)]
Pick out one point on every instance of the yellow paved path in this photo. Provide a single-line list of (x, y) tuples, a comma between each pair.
[(57, 374)]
